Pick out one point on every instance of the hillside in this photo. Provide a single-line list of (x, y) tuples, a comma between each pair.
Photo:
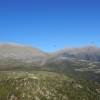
[(43, 85), (22, 53), (27, 73), (89, 53)]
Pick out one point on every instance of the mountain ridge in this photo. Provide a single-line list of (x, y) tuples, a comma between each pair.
[(22, 52), (31, 54), (90, 53)]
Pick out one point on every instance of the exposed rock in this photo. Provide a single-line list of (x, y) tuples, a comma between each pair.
[(89, 53)]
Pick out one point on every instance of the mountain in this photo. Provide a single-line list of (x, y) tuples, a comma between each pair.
[(89, 53), (27, 73), (14, 55), (22, 53)]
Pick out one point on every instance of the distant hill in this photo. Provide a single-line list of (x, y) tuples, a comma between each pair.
[(89, 53), (22, 53), (12, 55)]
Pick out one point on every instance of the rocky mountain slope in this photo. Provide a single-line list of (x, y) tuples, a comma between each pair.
[(22, 53), (89, 53), (27, 73), (12, 55)]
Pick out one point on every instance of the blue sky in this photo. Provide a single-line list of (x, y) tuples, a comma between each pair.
[(45, 23)]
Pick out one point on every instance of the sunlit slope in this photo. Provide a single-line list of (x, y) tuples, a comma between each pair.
[(42, 85), (22, 53)]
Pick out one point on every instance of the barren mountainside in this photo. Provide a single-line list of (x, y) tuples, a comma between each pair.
[(90, 53), (22, 53), (32, 54)]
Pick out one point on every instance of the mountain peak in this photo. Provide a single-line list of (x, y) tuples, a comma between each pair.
[(91, 53)]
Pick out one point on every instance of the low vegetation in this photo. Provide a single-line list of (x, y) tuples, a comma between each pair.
[(60, 80), (42, 85)]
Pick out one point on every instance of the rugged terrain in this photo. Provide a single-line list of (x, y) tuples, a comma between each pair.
[(89, 53), (22, 53), (30, 54), (43, 85), (27, 73)]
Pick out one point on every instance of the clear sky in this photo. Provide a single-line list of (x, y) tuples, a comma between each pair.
[(45, 23)]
